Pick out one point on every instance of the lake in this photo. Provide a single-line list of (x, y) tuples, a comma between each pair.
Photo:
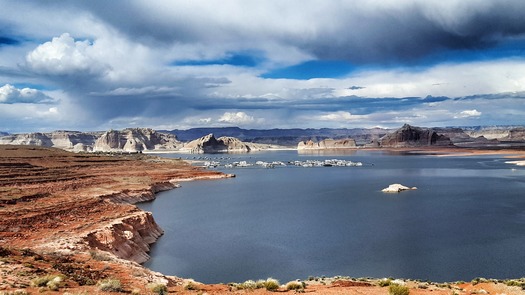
[(465, 220)]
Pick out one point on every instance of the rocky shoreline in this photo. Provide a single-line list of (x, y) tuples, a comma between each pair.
[(72, 216)]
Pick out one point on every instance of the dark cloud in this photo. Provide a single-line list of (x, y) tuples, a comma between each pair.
[(5, 40), (408, 35), (356, 33)]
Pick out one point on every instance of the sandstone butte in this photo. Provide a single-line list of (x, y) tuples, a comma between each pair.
[(73, 215)]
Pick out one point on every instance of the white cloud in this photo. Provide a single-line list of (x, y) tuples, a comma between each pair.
[(63, 55), (468, 114), (10, 94), (205, 120), (236, 118), (340, 116)]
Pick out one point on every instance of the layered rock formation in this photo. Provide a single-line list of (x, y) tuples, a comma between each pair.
[(410, 136), (66, 140), (210, 144), (136, 139), (39, 139), (327, 144), (129, 140), (69, 203), (73, 140), (516, 134)]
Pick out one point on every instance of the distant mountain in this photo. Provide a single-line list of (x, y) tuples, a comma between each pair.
[(411, 136), (284, 137), (3, 133), (237, 139), (347, 143)]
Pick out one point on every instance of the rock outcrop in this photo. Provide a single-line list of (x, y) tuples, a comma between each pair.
[(66, 140), (127, 238), (234, 144), (73, 140), (38, 139), (136, 139), (516, 134), (210, 144), (410, 136), (396, 188), (346, 143)]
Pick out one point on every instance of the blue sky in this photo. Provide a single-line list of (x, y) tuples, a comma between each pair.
[(96, 65)]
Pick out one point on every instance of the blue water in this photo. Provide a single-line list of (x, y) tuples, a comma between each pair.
[(466, 220)]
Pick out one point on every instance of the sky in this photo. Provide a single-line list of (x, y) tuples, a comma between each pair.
[(178, 64)]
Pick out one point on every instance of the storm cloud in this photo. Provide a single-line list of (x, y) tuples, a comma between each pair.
[(264, 64)]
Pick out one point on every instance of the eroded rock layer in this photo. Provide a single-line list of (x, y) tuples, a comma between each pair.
[(53, 201), (410, 136)]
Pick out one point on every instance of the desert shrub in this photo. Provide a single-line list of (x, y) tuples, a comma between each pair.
[(53, 282), (248, 285), (158, 288), (515, 283), (294, 285), (398, 290), (271, 284), (111, 285), (191, 286), (99, 256), (385, 283), (475, 281)]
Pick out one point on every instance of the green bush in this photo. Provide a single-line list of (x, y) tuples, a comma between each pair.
[(191, 286), (158, 288), (398, 290), (110, 285), (99, 255), (248, 285), (294, 285), (384, 282), (53, 282), (271, 284)]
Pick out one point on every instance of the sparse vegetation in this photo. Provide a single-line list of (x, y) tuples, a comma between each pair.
[(515, 283), (99, 255), (271, 284), (191, 286), (248, 285), (384, 282), (110, 285), (53, 282), (158, 288), (395, 289), (478, 280), (294, 285)]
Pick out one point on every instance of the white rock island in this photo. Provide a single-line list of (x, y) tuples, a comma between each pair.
[(396, 188)]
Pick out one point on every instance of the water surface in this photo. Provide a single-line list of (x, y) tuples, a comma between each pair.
[(466, 220)]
